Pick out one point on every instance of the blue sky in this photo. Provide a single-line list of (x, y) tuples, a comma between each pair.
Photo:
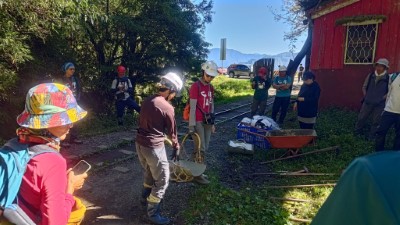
[(249, 26)]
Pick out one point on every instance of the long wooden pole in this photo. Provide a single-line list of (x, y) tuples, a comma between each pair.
[(299, 220), (296, 174), (307, 153), (303, 186), (290, 199)]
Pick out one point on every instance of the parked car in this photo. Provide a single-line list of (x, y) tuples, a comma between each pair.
[(222, 70), (237, 70)]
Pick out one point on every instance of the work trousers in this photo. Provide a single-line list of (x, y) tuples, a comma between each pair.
[(122, 104), (258, 106), (375, 111), (156, 169), (280, 104), (204, 132), (388, 119)]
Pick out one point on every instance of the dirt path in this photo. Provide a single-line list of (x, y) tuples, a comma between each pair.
[(112, 194)]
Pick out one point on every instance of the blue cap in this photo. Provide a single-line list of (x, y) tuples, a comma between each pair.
[(67, 65)]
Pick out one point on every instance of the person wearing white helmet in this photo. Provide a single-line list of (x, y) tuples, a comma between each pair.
[(282, 85), (157, 119), (201, 117)]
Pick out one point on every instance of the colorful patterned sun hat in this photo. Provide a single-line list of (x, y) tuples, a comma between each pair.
[(50, 105)]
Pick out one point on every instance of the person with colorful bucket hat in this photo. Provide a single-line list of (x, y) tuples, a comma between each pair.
[(157, 120), (47, 186), (73, 83), (122, 89)]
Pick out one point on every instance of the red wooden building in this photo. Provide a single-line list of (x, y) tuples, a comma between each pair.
[(348, 36)]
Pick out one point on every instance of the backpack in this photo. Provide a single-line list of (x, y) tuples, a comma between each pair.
[(14, 157), (393, 77), (186, 110)]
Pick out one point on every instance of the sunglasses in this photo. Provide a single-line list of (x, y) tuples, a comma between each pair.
[(71, 69)]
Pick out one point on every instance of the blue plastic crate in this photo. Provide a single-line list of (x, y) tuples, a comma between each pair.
[(251, 138)]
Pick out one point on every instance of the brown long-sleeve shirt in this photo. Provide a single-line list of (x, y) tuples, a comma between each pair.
[(157, 118)]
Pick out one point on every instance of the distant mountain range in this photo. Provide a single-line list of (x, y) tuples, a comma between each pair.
[(234, 56)]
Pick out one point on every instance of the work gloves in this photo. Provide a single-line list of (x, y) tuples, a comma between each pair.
[(175, 154)]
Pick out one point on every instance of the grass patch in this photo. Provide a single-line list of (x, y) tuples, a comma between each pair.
[(229, 89), (94, 124), (215, 204), (253, 205)]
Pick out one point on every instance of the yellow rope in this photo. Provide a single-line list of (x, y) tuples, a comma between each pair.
[(179, 173)]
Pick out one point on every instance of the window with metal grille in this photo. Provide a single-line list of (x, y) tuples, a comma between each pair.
[(360, 44)]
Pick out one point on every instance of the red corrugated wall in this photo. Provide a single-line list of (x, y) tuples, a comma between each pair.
[(341, 84)]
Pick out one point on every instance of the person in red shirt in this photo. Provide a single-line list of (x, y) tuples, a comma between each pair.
[(202, 109), (47, 187)]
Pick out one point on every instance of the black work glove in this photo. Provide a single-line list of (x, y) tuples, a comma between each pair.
[(175, 154)]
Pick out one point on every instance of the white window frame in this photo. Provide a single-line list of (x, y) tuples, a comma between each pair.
[(369, 22)]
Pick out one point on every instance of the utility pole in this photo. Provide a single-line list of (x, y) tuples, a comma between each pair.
[(223, 51)]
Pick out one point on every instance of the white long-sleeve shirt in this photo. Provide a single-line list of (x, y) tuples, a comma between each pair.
[(393, 97)]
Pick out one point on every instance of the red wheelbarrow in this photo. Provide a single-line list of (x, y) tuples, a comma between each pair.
[(292, 140)]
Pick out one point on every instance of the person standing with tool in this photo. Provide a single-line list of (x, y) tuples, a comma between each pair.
[(260, 84), (201, 116), (156, 119), (282, 85)]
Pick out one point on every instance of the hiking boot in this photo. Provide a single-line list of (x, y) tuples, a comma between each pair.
[(202, 179), (145, 193), (153, 212)]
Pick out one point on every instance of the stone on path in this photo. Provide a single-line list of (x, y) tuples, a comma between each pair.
[(71, 157), (121, 169), (99, 164), (126, 152), (127, 139), (102, 147)]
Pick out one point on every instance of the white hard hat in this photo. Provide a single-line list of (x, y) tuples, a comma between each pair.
[(174, 80), (282, 68), (210, 68)]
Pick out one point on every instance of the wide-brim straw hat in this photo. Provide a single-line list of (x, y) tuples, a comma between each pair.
[(50, 105)]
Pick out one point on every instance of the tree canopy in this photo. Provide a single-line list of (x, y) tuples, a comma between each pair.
[(146, 36)]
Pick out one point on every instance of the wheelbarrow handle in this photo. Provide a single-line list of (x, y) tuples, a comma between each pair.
[(249, 132)]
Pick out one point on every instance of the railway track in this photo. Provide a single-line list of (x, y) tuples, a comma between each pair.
[(120, 150)]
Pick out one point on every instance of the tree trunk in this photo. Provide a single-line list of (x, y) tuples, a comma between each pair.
[(306, 49)]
